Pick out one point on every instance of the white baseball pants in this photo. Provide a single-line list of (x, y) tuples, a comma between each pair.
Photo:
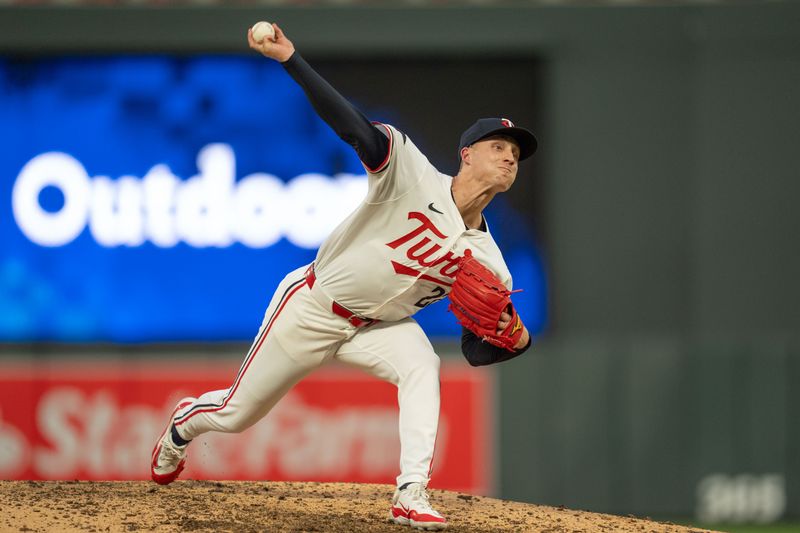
[(300, 333)]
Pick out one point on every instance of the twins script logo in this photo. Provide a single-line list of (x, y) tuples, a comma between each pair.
[(422, 250)]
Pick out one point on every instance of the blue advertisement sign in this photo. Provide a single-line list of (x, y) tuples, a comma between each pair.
[(163, 198)]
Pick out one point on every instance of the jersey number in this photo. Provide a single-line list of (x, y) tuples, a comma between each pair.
[(438, 294)]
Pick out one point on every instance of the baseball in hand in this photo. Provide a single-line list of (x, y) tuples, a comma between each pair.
[(263, 30)]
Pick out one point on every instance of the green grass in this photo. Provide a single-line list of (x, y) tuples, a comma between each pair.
[(738, 528)]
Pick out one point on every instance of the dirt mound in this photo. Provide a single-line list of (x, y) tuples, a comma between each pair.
[(271, 506)]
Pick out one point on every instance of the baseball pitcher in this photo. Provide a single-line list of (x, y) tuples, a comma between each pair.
[(418, 237)]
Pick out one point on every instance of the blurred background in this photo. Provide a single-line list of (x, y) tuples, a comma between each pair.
[(158, 179)]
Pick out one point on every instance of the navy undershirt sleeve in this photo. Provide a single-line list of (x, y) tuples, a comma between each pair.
[(480, 353), (370, 143)]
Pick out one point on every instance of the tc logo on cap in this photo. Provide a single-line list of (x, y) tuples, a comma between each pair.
[(507, 123)]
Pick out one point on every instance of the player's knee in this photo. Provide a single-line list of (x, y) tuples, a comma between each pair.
[(426, 370), (239, 420), (236, 425)]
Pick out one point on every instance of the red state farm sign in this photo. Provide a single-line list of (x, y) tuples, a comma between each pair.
[(99, 421)]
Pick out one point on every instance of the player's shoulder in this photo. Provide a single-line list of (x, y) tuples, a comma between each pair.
[(392, 132), (400, 148)]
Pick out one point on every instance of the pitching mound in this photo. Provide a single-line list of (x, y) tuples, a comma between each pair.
[(271, 506)]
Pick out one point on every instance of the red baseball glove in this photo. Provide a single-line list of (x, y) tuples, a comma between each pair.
[(477, 298)]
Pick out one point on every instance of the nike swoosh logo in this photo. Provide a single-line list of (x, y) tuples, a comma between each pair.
[(430, 206)]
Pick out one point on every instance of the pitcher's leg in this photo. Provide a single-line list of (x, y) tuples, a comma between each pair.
[(267, 373), (260, 385), (265, 376), (400, 353), (418, 398)]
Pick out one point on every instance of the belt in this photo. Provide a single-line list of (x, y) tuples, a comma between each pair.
[(337, 308)]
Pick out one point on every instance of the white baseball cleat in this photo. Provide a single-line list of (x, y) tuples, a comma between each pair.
[(168, 458), (411, 507)]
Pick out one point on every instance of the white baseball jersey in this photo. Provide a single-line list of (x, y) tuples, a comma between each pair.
[(398, 252)]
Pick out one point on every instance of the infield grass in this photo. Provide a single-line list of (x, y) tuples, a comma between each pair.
[(738, 528)]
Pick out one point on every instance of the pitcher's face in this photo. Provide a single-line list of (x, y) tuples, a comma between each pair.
[(496, 158)]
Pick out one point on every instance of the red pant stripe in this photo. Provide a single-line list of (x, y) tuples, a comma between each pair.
[(210, 408)]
